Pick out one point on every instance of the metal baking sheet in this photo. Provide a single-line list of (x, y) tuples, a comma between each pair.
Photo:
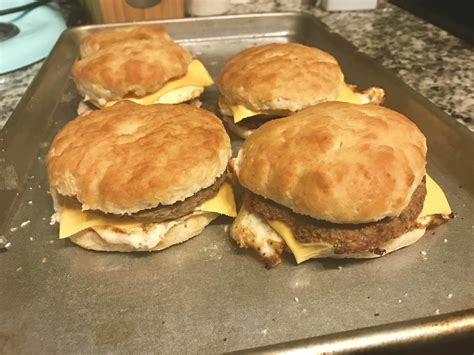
[(206, 295)]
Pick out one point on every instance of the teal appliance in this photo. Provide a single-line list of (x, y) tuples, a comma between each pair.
[(28, 32)]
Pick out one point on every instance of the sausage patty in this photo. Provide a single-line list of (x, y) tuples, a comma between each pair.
[(180, 208), (256, 121), (345, 238), (176, 210)]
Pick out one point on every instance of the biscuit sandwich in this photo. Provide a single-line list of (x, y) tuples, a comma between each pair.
[(139, 178), (275, 80), (140, 64), (335, 180)]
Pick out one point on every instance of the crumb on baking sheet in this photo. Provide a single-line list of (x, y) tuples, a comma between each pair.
[(436, 311), (25, 223), (19, 268), (54, 218), (13, 229), (211, 247), (450, 295), (424, 255), (296, 299), (44, 260)]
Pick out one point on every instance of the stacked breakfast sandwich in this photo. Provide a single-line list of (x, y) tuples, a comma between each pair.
[(335, 180), (275, 80), (136, 178), (140, 64)]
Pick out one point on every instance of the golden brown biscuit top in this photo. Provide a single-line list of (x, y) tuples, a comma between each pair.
[(280, 77), (135, 67), (337, 162), (130, 157), (99, 40)]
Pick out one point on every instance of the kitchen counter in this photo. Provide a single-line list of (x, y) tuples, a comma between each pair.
[(427, 58)]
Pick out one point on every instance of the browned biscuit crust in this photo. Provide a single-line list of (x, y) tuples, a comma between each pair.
[(129, 157), (280, 77), (345, 238), (135, 67), (338, 162), (99, 40)]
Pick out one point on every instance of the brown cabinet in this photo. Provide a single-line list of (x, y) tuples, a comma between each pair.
[(109, 11)]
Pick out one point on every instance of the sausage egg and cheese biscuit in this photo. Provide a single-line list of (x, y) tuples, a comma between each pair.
[(335, 180), (277, 79), (141, 64), (130, 178)]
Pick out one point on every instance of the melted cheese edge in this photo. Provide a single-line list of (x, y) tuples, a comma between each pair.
[(74, 220), (348, 95), (241, 112), (435, 203), (196, 77)]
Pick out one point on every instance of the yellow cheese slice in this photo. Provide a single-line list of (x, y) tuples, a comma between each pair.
[(435, 203), (347, 95), (435, 200), (197, 75), (302, 252), (223, 202), (74, 220), (241, 112)]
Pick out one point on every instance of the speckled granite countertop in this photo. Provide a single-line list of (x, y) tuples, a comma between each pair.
[(431, 61)]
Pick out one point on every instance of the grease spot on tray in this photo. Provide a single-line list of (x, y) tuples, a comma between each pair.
[(4, 339), (212, 251), (8, 177), (69, 95), (113, 333)]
